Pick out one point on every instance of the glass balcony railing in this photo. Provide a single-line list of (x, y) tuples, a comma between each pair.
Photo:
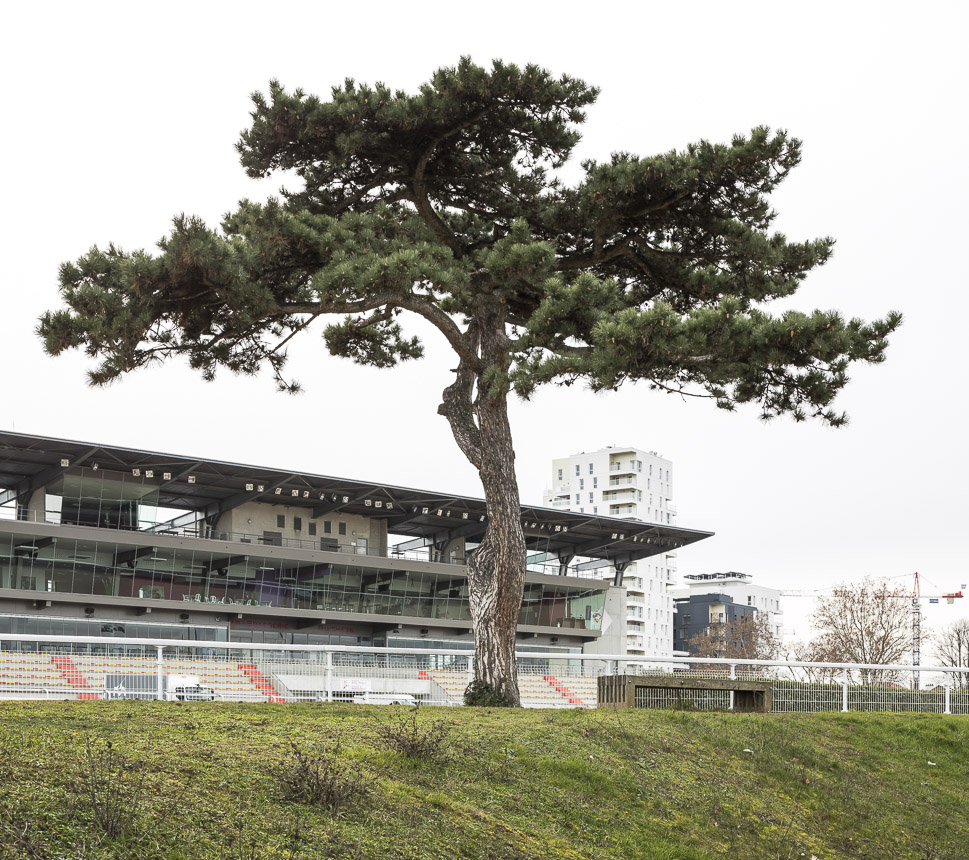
[(323, 543)]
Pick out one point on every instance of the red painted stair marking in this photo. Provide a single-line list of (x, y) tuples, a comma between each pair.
[(560, 688), (261, 682), (65, 665), (427, 676)]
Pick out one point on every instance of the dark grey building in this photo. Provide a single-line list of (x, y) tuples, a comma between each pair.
[(696, 613)]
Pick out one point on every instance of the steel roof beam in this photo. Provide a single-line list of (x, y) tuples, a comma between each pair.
[(42, 479)]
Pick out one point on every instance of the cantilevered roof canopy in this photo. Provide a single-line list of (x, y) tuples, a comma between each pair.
[(211, 487)]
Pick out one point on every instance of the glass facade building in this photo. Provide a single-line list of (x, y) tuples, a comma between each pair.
[(115, 542), (196, 576)]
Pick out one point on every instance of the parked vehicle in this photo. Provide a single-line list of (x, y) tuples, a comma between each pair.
[(181, 688), (385, 699)]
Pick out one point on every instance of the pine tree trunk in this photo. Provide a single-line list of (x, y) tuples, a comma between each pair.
[(477, 410), (496, 569)]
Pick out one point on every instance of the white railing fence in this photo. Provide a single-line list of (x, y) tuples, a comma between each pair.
[(65, 667)]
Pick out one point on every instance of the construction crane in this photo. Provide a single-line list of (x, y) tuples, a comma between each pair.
[(917, 622)]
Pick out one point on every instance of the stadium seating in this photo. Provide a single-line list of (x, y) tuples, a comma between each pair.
[(29, 671), (537, 691), (83, 676), (227, 679)]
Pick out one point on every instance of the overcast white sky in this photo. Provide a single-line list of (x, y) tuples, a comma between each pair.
[(120, 115)]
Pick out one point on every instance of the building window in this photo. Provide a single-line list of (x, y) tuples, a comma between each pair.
[(327, 527), (639, 465), (590, 498), (577, 468), (595, 483), (560, 474), (297, 524), (280, 521), (576, 498), (595, 510), (312, 529), (342, 528), (581, 483), (590, 468)]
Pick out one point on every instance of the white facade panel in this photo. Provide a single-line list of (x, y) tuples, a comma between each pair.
[(633, 484)]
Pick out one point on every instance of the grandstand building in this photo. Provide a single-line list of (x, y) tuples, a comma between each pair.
[(97, 540)]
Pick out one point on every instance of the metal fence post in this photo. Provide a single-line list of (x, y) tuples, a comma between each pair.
[(844, 689), (329, 676), (733, 677), (949, 678), (470, 668), (160, 693)]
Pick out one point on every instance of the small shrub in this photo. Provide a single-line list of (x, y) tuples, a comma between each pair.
[(319, 778), (17, 838), (484, 695), (428, 739), (242, 845), (501, 765), (110, 787)]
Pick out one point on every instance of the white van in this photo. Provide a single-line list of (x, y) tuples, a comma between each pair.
[(385, 699)]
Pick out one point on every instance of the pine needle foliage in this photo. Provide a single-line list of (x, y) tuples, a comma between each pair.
[(650, 268)]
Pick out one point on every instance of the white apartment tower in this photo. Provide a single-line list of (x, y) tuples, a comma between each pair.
[(637, 485)]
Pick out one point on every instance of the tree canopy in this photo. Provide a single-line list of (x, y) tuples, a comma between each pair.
[(867, 622), (650, 268), (952, 649), (448, 204), (747, 637)]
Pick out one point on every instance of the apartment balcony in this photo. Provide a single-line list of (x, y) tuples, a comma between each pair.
[(621, 492), (621, 469)]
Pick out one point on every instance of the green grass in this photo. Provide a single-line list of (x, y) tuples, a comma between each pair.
[(562, 785)]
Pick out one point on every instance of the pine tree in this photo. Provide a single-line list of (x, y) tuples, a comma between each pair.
[(446, 204)]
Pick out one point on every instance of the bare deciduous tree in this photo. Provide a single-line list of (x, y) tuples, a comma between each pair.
[(810, 652), (747, 638), (952, 649), (868, 622)]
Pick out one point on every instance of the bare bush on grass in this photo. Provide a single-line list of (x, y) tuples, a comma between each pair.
[(17, 837), (320, 777), (427, 739), (109, 787)]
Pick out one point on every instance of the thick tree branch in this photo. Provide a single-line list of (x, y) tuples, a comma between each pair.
[(420, 198), (457, 406)]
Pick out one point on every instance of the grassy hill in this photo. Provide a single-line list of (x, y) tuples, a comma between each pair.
[(160, 780)]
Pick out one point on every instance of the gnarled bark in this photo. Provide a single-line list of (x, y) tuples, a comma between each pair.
[(478, 415), (496, 569)]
